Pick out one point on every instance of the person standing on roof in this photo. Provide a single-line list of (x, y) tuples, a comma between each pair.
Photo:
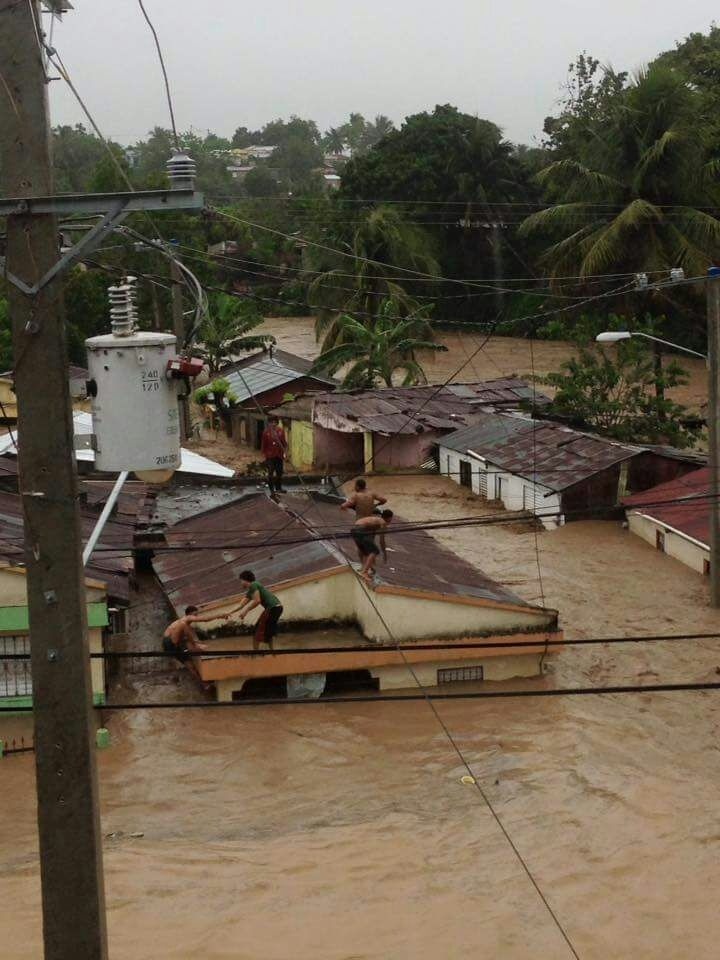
[(363, 533), (363, 501), (274, 448), (258, 595)]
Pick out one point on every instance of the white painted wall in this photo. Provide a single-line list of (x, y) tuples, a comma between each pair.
[(676, 546), (516, 493), (343, 598)]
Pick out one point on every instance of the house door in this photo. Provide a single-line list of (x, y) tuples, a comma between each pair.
[(500, 488), (259, 430), (660, 540), (465, 474)]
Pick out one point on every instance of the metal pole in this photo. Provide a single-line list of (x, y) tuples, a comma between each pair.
[(713, 422), (103, 518), (68, 813)]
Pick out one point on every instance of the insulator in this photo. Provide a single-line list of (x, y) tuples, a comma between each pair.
[(182, 171), (677, 274)]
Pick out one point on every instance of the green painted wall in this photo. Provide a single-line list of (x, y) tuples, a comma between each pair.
[(15, 619)]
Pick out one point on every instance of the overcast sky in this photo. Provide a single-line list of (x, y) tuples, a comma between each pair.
[(239, 63)]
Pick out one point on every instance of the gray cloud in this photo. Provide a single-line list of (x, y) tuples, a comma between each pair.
[(233, 63)]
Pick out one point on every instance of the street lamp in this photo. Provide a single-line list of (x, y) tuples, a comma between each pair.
[(614, 336)]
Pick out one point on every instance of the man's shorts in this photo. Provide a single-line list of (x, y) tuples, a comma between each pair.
[(170, 647), (365, 542)]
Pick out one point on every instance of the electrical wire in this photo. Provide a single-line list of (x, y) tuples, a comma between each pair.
[(164, 72)]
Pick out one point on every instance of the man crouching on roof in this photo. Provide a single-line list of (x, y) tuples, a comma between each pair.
[(180, 639), (363, 532), (257, 595)]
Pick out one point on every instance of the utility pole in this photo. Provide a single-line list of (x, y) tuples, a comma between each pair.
[(73, 896), (179, 331), (713, 422)]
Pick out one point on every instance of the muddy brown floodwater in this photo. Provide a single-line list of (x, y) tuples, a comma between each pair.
[(344, 832)]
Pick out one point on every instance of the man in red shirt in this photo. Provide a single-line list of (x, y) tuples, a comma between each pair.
[(274, 449)]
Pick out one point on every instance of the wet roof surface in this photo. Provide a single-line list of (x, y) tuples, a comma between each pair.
[(690, 510), (549, 453), (113, 560), (412, 410), (261, 535), (263, 371)]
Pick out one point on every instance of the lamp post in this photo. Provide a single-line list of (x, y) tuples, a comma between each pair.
[(615, 336), (713, 413)]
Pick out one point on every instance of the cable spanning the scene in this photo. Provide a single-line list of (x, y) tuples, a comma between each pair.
[(161, 58)]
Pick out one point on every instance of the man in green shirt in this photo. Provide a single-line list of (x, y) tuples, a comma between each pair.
[(258, 595)]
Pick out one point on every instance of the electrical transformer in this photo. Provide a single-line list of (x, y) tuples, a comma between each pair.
[(135, 411)]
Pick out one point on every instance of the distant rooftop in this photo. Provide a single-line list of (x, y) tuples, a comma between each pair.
[(266, 371), (411, 410), (548, 453), (683, 504)]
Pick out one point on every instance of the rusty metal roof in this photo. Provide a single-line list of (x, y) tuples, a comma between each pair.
[(411, 410), (111, 563), (683, 504), (539, 450), (417, 561)]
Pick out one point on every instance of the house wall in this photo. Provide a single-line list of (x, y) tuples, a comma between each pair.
[(334, 449), (596, 493), (301, 440), (650, 469), (516, 493), (416, 618), (339, 596), (687, 552), (402, 451), (8, 399)]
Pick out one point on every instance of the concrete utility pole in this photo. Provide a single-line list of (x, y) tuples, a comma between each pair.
[(713, 421), (68, 814)]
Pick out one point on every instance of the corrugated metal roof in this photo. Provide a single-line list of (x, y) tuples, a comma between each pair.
[(260, 373), (409, 410), (111, 563), (547, 453), (417, 562), (690, 510)]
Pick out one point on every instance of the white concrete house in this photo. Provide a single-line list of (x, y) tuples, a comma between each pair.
[(538, 466), (674, 518)]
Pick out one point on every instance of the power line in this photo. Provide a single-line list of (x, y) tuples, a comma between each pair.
[(164, 72)]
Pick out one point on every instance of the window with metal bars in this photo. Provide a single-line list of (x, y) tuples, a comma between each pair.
[(457, 674), (15, 675)]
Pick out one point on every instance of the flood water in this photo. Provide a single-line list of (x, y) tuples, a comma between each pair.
[(339, 831)]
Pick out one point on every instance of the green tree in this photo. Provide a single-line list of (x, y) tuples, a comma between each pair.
[(631, 198), (76, 155), (334, 140), (622, 397), (375, 353), (381, 243), (227, 330), (260, 182)]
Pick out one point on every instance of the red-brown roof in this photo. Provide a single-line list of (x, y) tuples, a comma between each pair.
[(417, 561), (411, 410), (683, 504)]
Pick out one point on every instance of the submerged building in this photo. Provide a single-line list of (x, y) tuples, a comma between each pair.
[(427, 601)]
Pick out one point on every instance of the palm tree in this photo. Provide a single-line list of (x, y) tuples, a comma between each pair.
[(375, 353), (334, 142), (380, 244), (227, 328), (632, 201)]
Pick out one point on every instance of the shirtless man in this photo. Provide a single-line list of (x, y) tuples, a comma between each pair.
[(363, 501), (180, 640), (363, 532)]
